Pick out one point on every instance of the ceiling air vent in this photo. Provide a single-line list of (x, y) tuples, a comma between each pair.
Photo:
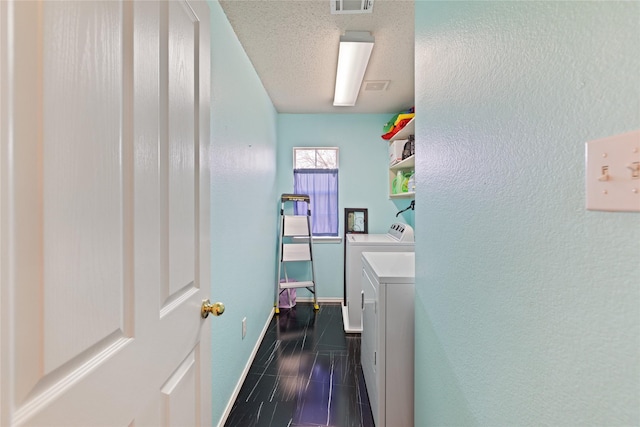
[(376, 85), (351, 6)]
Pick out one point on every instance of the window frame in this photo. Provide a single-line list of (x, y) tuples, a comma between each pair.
[(333, 238), (336, 149)]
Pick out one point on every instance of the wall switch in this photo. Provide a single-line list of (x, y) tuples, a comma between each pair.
[(613, 173), (244, 327)]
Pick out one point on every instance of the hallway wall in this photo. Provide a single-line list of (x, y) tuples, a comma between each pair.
[(527, 305), (243, 129)]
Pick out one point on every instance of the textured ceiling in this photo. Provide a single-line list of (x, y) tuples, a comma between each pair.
[(293, 46)]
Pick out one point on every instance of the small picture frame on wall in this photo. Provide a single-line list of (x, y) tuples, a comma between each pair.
[(355, 220)]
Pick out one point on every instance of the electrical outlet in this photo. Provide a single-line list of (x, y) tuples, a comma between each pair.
[(244, 327)]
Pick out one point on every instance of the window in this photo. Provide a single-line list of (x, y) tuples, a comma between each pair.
[(315, 172)]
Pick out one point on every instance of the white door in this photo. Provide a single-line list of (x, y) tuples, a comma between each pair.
[(104, 213)]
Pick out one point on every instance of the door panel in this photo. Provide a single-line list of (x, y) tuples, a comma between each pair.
[(180, 392), (178, 80), (86, 247), (104, 213), (74, 198)]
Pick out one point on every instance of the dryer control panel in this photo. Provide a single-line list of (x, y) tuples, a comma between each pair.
[(401, 232)]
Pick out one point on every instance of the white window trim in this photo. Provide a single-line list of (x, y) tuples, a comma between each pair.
[(319, 239), (337, 149)]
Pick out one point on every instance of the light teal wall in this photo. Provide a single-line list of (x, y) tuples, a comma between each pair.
[(243, 196), (363, 178), (527, 305)]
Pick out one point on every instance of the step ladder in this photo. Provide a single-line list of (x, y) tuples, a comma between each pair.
[(292, 250)]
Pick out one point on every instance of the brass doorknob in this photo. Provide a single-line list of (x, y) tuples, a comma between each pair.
[(216, 308)]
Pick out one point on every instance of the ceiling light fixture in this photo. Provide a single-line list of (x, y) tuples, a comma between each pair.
[(353, 57), (351, 6)]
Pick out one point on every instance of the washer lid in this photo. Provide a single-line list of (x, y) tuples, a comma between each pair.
[(391, 267), (370, 239), (398, 233)]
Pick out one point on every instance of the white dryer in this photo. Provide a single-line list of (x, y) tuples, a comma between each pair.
[(399, 238), (387, 354)]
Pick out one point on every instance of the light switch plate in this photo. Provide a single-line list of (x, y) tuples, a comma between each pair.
[(613, 173)]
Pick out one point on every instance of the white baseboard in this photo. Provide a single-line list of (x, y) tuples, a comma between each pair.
[(245, 372), (330, 300)]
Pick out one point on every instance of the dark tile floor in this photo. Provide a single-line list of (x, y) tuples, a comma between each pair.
[(306, 373)]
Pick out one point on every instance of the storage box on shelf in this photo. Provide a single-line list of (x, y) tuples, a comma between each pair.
[(404, 166)]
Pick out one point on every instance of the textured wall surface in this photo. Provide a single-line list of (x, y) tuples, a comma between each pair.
[(243, 123), (363, 178), (527, 305)]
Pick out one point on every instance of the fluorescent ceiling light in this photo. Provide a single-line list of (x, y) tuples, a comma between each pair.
[(353, 57), (351, 6)]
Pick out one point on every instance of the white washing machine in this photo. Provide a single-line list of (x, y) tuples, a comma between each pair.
[(399, 238), (387, 352)]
